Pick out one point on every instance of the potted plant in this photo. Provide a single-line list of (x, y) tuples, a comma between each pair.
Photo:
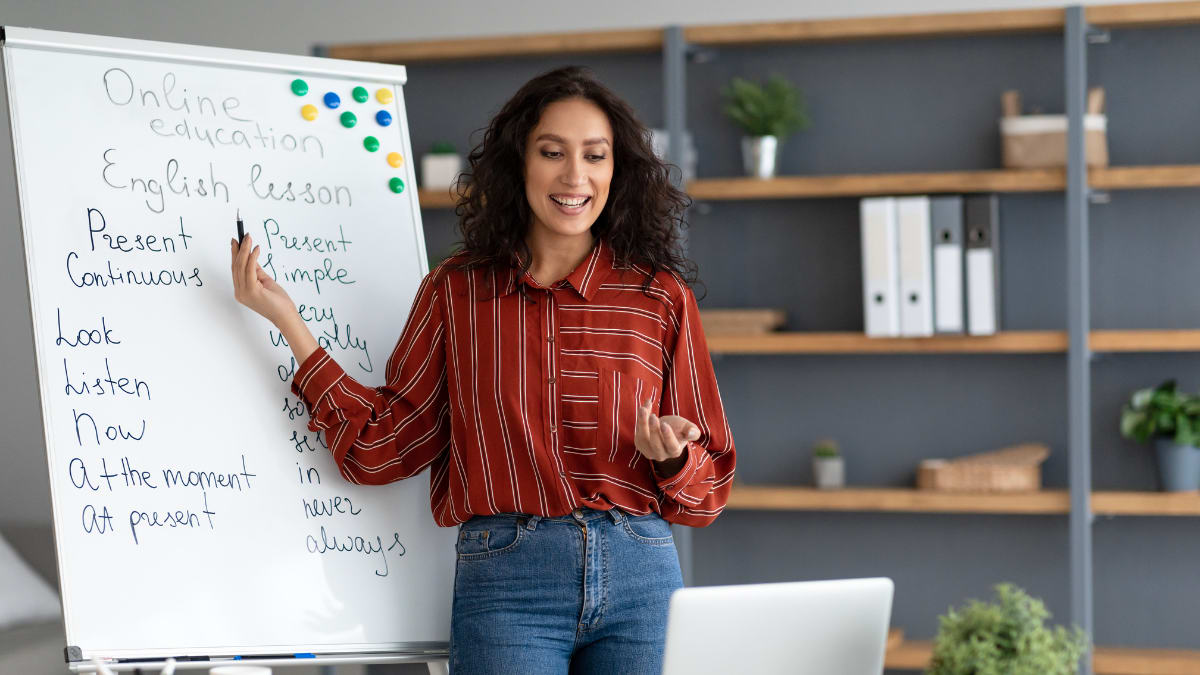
[(767, 114), (440, 166), (1006, 637), (1172, 419), (829, 470)]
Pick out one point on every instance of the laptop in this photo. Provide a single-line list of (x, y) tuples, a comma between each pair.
[(836, 627)]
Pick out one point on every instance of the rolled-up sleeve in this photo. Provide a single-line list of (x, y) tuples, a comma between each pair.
[(698, 491), (384, 434)]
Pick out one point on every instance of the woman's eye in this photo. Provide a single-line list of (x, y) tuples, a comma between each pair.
[(597, 158), (551, 154)]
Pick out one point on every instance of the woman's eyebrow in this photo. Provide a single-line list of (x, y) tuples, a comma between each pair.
[(559, 139)]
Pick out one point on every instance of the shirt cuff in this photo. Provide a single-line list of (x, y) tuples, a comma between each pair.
[(673, 484), (315, 377)]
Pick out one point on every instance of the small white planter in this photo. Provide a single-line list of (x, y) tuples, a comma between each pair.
[(758, 155), (439, 170), (829, 472)]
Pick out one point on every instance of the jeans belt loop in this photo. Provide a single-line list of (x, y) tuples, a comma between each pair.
[(617, 515), (532, 523)]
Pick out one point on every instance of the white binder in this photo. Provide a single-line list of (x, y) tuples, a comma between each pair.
[(881, 268), (946, 219), (916, 267), (982, 220)]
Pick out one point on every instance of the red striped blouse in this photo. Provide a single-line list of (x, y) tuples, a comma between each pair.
[(529, 407)]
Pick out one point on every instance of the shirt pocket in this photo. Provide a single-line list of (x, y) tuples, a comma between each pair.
[(620, 395), (580, 397)]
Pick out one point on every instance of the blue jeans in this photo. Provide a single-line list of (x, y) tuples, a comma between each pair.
[(582, 593)]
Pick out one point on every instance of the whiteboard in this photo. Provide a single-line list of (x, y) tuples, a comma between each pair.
[(194, 512)]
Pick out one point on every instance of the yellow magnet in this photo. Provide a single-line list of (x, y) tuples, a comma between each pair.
[(309, 112), (395, 159), (383, 95)]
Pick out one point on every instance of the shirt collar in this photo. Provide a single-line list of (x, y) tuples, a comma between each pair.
[(585, 279)]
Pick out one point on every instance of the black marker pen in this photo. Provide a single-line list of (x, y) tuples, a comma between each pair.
[(241, 231)]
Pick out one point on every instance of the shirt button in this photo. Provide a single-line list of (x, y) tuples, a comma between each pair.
[(550, 338), (551, 380)]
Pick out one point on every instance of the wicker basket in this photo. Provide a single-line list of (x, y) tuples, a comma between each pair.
[(1013, 469), (741, 321)]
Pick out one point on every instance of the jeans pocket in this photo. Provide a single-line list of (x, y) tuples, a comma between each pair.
[(481, 538), (649, 529)]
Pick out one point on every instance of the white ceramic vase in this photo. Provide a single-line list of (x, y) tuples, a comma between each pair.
[(829, 472)]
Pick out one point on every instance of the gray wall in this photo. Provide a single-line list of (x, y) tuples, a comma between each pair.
[(878, 106)]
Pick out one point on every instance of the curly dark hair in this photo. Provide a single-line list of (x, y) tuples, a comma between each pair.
[(641, 220)]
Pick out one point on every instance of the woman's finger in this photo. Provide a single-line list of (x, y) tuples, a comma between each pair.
[(248, 273), (656, 439), (670, 440)]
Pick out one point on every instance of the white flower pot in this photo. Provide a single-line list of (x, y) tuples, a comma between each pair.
[(758, 155), (439, 170), (829, 472)]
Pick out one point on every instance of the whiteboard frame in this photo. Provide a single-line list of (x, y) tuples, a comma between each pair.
[(12, 37)]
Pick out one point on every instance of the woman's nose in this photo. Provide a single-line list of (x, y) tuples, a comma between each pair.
[(574, 173)]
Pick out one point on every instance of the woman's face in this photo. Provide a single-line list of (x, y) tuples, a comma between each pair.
[(568, 167)]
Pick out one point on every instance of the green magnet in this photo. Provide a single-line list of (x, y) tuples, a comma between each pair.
[(360, 94), (348, 119), (396, 185), (371, 143), (299, 87)]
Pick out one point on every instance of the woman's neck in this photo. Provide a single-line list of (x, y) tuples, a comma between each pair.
[(555, 258)]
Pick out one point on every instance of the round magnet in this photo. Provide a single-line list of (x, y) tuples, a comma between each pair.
[(332, 100), (384, 95), (383, 117), (395, 159), (396, 185), (309, 112), (371, 143), (360, 94), (348, 119), (299, 87)]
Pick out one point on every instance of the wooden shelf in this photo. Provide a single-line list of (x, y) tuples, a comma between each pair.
[(854, 185), (953, 182), (1018, 342), (916, 654), (1145, 340), (875, 27), (911, 500), (1138, 177), (553, 44), (1107, 503), (897, 500), (435, 199), (1009, 342)]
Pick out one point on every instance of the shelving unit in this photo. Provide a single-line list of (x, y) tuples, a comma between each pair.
[(952, 182), (911, 500), (1008, 342), (1077, 186)]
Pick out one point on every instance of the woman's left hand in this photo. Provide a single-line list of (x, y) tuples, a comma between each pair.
[(662, 439)]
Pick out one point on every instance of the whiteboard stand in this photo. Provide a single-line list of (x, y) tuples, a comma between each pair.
[(438, 663)]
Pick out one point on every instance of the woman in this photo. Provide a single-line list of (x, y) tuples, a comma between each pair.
[(554, 376)]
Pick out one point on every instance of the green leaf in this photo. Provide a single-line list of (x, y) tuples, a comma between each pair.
[(775, 108)]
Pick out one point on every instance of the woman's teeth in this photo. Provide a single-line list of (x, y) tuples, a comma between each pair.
[(570, 203)]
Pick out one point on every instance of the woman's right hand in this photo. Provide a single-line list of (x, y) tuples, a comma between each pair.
[(254, 288)]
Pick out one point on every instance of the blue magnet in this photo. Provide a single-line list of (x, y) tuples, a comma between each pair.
[(332, 100), (383, 117)]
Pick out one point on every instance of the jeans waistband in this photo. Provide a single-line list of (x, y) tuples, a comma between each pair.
[(582, 515)]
